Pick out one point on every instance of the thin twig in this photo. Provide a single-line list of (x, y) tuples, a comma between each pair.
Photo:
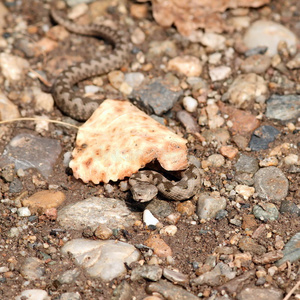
[(38, 120), (292, 291)]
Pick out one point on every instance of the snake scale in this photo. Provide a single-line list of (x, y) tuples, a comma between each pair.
[(145, 184)]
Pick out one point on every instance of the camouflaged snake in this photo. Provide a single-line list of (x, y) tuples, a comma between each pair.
[(81, 108)]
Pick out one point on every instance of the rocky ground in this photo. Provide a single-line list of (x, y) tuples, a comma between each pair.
[(236, 102)]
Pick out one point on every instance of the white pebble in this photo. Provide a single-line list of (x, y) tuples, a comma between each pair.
[(34, 294), (13, 67), (219, 73), (190, 104), (134, 79), (187, 65), (245, 191), (291, 159), (138, 36), (149, 219), (24, 212), (92, 89), (169, 230)]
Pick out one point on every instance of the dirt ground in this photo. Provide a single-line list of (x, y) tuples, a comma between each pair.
[(192, 243)]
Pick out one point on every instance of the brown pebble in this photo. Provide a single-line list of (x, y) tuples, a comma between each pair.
[(249, 222), (51, 213), (44, 199), (103, 232), (159, 246), (173, 218), (268, 257), (244, 123), (186, 208), (229, 151), (139, 11)]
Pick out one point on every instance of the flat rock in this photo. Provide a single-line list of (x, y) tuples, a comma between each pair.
[(170, 291), (266, 212), (257, 293), (291, 250), (95, 211), (101, 259), (44, 200), (271, 184), (27, 151), (284, 108), (34, 294)]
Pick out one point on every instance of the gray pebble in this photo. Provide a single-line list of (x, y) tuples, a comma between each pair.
[(15, 186), (32, 268), (289, 207), (160, 208), (271, 184), (257, 293), (266, 212), (69, 276), (150, 272), (291, 250), (170, 291), (284, 108), (155, 97), (122, 292), (246, 164), (70, 296), (208, 206)]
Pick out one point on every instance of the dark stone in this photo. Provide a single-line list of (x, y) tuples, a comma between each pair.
[(289, 207), (262, 137), (155, 97), (15, 186)]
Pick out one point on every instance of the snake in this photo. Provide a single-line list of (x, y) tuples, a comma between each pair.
[(76, 106), (145, 184)]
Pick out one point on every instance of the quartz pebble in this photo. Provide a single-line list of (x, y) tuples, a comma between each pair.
[(247, 89), (190, 104), (187, 65), (149, 219), (34, 294), (219, 73), (107, 258), (152, 273), (13, 67), (8, 110), (208, 206), (268, 33)]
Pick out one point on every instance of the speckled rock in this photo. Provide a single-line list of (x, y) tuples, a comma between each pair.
[(266, 212), (283, 107), (94, 211), (257, 293), (30, 151), (170, 291), (247, 89), (271, 184)]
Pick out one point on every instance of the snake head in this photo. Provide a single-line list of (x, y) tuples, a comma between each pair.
[(143, 191)]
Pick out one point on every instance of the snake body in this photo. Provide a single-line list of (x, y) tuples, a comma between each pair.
[(180, 190), (78, 107), (81, 108)]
